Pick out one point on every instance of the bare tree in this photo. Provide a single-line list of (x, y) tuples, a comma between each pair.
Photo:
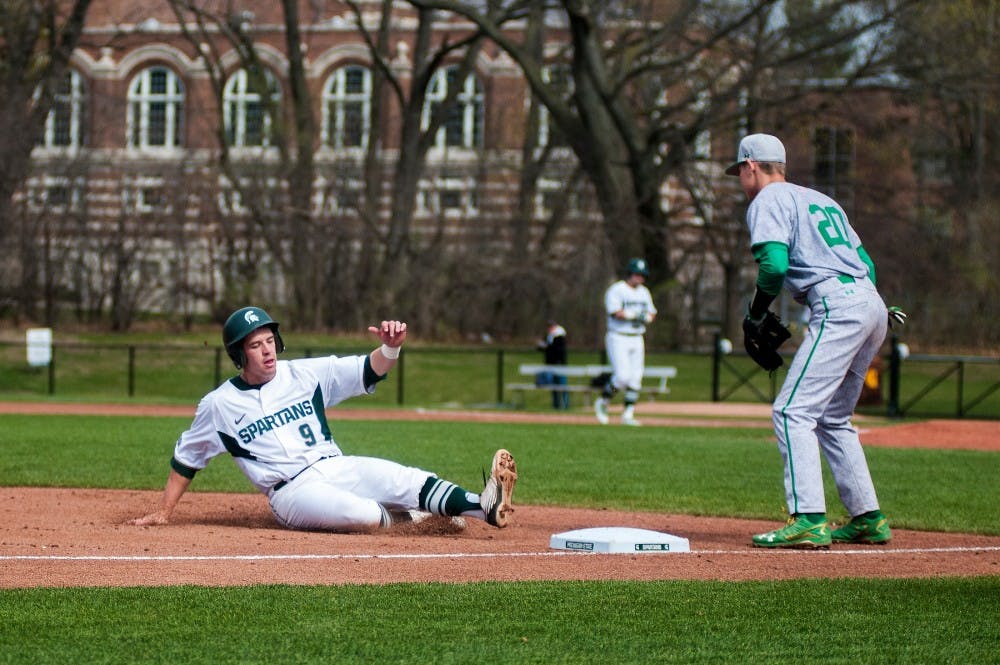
[(277, 197), (36, 42), (49, 216), (319, 245), (395, 265), (951, 261), (650, 79)]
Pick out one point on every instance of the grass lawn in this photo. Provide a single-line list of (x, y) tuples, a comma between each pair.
[(710, 471)]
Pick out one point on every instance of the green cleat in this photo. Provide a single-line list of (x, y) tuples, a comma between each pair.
[(872, 530), (799, 533)]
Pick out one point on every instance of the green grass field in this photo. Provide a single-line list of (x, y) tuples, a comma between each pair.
[(729, 472)]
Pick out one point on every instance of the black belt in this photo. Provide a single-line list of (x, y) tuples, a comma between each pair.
[(281, 483)]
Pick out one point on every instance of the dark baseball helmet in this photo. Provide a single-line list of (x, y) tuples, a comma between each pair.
[(637, 267), (241, 323)]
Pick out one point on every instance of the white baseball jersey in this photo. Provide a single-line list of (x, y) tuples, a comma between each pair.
[(821, 242), (623, 341), (637, 303), (276, 430)]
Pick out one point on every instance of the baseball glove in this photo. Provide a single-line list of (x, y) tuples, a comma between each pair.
[(763, 339)]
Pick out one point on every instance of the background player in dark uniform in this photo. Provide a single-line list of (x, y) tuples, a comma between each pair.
[(553, 345)]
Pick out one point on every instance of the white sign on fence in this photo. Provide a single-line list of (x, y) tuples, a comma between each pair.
[(39, 342)]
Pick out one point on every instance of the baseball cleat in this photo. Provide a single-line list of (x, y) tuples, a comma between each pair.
[(601, 410), (798, 533), (629, 420), (496, 495), (872, 530)]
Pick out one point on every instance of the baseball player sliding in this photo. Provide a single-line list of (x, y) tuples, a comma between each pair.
[(629, 308), (271, 419), (802, 240)]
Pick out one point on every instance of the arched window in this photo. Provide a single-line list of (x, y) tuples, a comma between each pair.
[(463, 128), (155, 109), (347, 100), (251, 100), (64, 125)]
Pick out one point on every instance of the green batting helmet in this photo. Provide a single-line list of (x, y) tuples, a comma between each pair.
[(637, 267), (241, 323)]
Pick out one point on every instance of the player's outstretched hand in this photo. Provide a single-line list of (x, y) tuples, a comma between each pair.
[(390, 333), (153, 519)]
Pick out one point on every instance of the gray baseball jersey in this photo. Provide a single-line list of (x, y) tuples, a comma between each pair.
[(821, 243)]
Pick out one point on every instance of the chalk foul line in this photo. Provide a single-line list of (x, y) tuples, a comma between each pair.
[(474, 555)]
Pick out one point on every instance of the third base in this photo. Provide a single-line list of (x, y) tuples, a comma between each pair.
[(618, 540)]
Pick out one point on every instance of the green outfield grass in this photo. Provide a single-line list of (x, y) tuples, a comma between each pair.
[(709, 471)]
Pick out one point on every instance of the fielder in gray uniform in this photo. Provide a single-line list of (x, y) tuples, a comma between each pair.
[(272, 420), (802, 240), (629, 308)]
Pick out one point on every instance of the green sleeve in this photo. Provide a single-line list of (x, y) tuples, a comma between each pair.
[(773, 260), (868, 262)]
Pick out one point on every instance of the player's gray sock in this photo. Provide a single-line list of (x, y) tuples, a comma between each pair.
[(441, 497)]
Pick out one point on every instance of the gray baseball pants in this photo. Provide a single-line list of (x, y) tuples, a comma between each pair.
[(812, 412)]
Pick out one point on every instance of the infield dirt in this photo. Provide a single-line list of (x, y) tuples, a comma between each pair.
[(78, 537)]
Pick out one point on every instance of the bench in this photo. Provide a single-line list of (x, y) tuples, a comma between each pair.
[(579, 377)]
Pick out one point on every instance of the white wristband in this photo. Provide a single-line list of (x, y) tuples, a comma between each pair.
[(390, 352)]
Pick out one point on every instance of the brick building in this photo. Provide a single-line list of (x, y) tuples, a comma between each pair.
[(131, 157), (167, 177)]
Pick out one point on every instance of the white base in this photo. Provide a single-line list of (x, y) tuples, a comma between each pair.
[(618, 540)]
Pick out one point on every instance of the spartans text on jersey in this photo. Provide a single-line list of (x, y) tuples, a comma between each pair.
[(286, 415)]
